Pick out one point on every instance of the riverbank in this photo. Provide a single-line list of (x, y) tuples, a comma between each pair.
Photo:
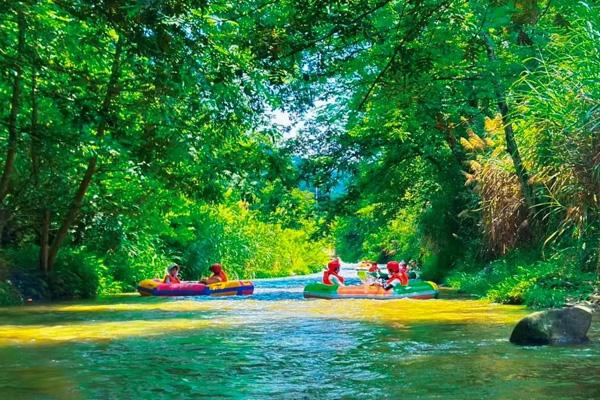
[(524, 278)]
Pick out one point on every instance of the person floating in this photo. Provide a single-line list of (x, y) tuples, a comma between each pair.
[(403, 267), (373, 267), (218, 275), (374, 273), (331, 276), (414, 272), (172, 274), (398, 275)]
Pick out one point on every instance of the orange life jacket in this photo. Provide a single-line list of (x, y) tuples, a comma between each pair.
[(218, 272), (171, 279)]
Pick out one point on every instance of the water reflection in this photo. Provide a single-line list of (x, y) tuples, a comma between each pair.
[(278, 345)]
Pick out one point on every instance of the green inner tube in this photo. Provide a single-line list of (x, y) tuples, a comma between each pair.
[(318, 288)]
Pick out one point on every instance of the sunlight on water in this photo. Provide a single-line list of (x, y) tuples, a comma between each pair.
[(39, 334), (237, 313), (409, 311), (151, 305), (277, 345)]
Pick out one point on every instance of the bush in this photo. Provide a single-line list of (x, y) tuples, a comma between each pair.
[(249, 248), (231, 233), (9, 294), (130, 263), (75, 275), (25, 274), (519, 279)]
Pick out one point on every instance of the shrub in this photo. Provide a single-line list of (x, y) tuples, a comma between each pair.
[(130, 263), (519, 279), (9, 294), (25, 274), (75, 275), (249, 248)]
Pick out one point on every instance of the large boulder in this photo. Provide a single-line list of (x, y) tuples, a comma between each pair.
[(567, 325)]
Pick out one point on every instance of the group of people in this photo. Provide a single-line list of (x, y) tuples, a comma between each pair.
[(398, 274), (218, 275)]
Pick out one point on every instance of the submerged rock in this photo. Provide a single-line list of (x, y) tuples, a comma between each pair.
[(561, 326)]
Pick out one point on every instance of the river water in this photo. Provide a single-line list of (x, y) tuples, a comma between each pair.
[(277, 345)]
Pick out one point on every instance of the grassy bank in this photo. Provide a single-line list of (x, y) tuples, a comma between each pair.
[(523, 278)]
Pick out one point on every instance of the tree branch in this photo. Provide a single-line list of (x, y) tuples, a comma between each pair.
[(511, 144), (411, 34), (15, 105), (76, 204), (335, 29)]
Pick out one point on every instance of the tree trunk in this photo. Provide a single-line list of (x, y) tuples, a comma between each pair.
[(75, 206), (15, 104), (44, 234), (511, 144), (3, 221), (35, 137), (35, 172)]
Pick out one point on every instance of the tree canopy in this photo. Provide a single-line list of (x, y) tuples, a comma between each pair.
[(451, 132)]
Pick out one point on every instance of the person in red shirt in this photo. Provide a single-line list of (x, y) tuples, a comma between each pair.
[(331, 276), (397, 275), (218, 275), (172, 274), (404, 267), (373, 267), (374, 274)]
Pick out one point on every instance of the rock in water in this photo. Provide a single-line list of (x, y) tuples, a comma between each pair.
[(567, 325)]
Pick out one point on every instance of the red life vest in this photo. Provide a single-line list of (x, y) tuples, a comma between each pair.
[(217, 271), (221, 275), (401, 276), (172, 279), (328, 274)]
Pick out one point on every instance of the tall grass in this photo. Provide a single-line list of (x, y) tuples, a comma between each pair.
[(491, 174)]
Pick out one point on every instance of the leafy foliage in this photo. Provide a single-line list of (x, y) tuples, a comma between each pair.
[(9, 295), (138, 133), (233, 235), (519, 279), (123, 116), (75, 275)]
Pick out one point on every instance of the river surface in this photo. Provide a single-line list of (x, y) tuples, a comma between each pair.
[(277, 345)]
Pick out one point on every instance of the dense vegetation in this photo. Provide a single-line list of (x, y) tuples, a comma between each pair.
[(469, 132), (136, 134), (463, 134)]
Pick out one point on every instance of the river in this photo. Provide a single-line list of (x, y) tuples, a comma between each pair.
[(277, 345)]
